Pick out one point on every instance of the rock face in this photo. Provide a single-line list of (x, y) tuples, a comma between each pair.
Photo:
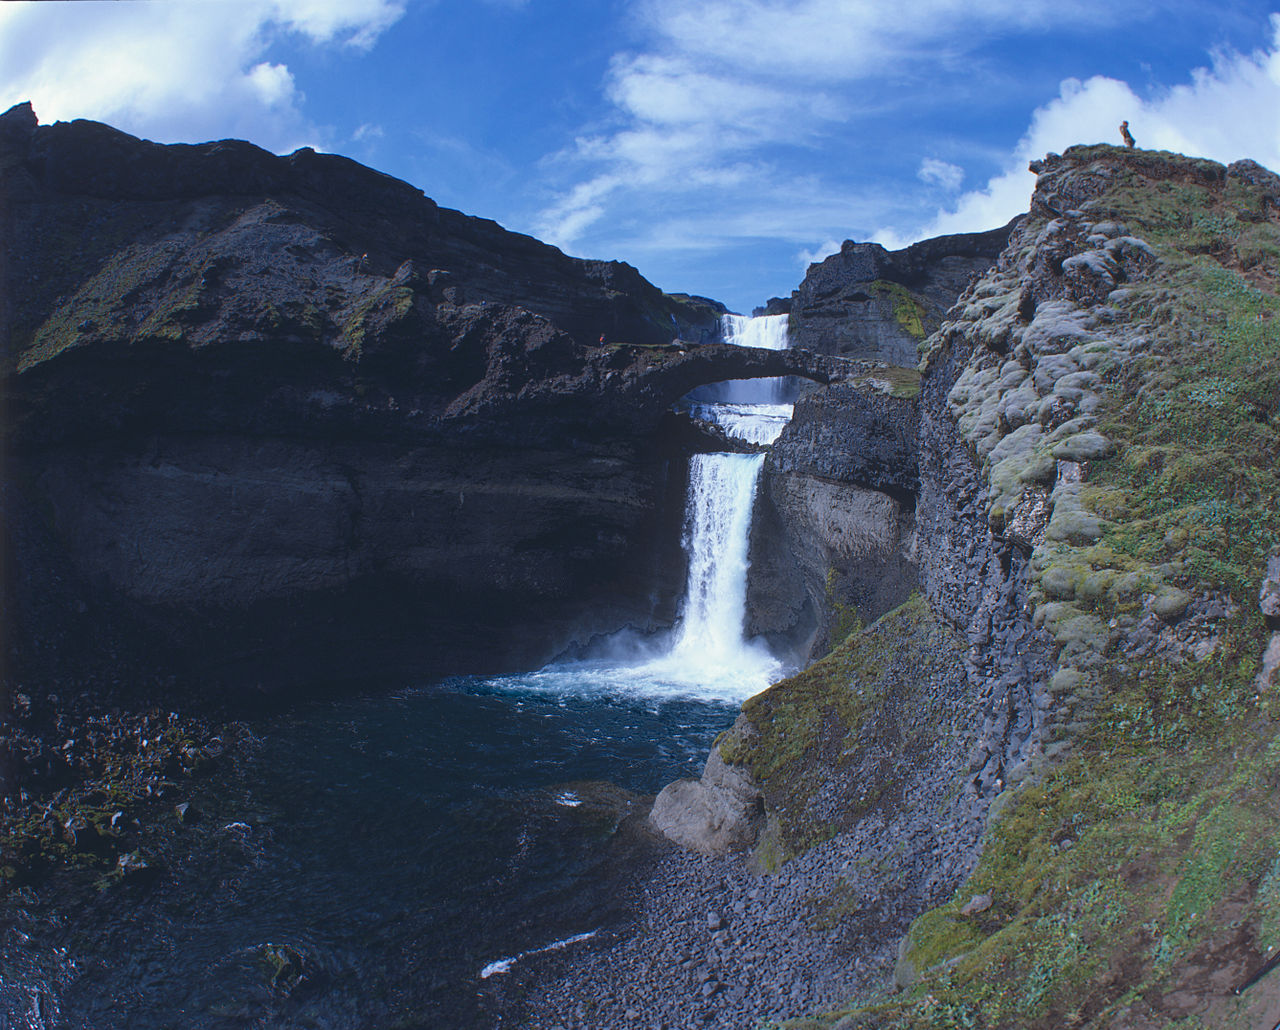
[(868, 302), (833, 537), (1093, 513), (274, 419)]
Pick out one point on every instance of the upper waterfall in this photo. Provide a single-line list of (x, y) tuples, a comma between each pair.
[(769, 332), (766, 332)]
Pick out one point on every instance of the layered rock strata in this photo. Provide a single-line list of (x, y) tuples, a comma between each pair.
[(284, 419), (868, 302)]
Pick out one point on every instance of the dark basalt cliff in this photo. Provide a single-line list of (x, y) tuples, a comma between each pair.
[(868, 302), (271, 417), (833, 535)]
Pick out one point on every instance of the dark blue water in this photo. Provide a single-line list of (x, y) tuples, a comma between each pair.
[(372, 857)]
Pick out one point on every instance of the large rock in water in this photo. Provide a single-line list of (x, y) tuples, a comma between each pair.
[(722, 811), (281, 419)]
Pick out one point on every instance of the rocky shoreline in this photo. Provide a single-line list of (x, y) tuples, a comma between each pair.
[(716, 945), (713, 943), (87, 786)]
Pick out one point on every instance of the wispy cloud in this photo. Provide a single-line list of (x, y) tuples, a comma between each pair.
[(739, 121), (727, 93), (177, 70), (941, 173)]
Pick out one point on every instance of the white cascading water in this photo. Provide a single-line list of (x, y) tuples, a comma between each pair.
[(706, 654), (768, 332), (708, 647)]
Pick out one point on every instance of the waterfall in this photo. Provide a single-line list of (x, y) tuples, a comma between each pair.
[(768, 332), (706, 654), (722, 490), (708, 645), (765, 331)]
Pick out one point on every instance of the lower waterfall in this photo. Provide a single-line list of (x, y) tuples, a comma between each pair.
[(705, 655)]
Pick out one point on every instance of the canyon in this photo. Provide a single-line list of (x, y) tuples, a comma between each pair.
[(273, 422)]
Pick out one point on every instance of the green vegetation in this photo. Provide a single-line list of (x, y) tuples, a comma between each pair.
[(1134, 880), (907, 311), (1195, 477), (845, 620), (390, 303), (811, 730), (893, 380)]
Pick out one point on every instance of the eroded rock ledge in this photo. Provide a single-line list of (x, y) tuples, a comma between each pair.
[(276, 420)]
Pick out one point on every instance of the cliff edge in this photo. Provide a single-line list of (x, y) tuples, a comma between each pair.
[(1050, 773), (273, 421)]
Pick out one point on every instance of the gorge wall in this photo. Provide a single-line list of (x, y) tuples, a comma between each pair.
[(1045, 774), (834, 537), (283, 419)]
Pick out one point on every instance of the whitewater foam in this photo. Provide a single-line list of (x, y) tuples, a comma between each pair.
[(503, 965)]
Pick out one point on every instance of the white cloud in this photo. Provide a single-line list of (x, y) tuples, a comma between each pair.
[(724, 83), (179, 69), (352, 23), (1226, 112), (835, 40), (273, 83), (823, 250), (941, 173)]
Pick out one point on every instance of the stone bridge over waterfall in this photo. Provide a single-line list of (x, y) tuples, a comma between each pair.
[(288, 415)]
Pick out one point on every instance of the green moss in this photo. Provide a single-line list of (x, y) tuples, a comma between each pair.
[(388, 303), (893, 380), (806, 730), (103, 305), (845, 620), (1123, 857), (908, 312), (1199, 448)]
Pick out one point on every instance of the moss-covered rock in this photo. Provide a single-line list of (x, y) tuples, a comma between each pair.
[(1132, 879), (837, 740)]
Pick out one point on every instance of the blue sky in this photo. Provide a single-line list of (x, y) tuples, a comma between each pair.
[(717, 145)]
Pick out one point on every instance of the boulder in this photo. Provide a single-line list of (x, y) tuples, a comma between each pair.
[(1269, 595), (720, 812)]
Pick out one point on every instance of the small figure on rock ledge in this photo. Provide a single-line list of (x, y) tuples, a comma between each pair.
[(1126, 135)]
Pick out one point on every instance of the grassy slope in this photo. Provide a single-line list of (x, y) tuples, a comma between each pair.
[(1138, 882), (809, 737)]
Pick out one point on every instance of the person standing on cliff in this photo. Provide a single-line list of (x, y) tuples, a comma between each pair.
[(1126, 135)]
